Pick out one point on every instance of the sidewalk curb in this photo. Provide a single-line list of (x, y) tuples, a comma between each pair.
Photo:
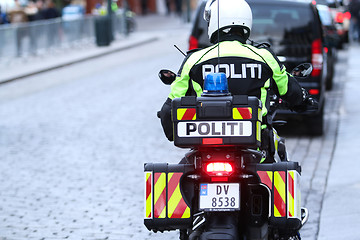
[(340, 212), (94, 52)]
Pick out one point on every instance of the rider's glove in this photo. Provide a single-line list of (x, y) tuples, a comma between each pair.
[(308, 103)]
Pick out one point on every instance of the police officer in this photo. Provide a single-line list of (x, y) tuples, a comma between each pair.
[(250, 70)]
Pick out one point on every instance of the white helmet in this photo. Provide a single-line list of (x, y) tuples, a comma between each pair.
[(232, 13)]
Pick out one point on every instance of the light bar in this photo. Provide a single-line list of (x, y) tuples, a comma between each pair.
[(216, 83)]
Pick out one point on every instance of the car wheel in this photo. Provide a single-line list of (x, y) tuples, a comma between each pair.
[(340, 46), (329, 79), (315, 123)]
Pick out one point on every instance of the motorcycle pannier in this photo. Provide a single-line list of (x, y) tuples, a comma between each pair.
[(283, 180), (225, 120), (167, 203)]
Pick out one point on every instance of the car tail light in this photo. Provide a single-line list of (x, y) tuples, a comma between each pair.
[(339, 17), (316, 57), (219, 168), (347, 15), (193, 43)]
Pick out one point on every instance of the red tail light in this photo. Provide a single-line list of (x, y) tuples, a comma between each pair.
[(316, 57), (219, 168), (347, 15), (339, 18), (314, 91), (193, 43), (212, 141)]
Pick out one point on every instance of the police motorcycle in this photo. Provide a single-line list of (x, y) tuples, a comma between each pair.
[(230, 185)]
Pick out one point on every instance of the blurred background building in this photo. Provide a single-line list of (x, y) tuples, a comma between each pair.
[(137, 6)]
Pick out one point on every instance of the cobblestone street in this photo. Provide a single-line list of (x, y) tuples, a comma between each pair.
[(72, 153), (316, 153)]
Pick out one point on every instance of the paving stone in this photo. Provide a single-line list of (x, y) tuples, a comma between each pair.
[(72, 164)]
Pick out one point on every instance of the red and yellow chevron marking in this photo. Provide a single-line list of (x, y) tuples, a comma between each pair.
[(285, 189), (279, 194), (148, 194), (159, 195), (177, 208), (242, 113), (266, 178), (291, 194), (279, 191), (186, 114)]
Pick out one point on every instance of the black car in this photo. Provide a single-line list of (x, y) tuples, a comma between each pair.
[(341, 18), (332, 41), (294, 31)]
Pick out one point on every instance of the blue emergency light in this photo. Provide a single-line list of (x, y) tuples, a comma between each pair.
[(216, 84)]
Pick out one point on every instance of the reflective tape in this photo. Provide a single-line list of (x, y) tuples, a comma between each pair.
[(285, 188), (294, 195), (159, 195), (279, 194), (260, 114), (258, 131), (148, 195), (186, 114), (242, 113), (266, 178), (291, 194), (177, 208), (163, 198)]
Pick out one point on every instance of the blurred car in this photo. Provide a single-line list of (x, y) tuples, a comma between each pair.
[(331, 42), (294, 31), (341, 18), (199, 37)]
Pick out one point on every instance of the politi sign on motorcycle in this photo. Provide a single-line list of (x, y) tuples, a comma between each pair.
[(214, 128)]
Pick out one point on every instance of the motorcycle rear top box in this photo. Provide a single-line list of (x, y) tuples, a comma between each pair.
[(225, 120)]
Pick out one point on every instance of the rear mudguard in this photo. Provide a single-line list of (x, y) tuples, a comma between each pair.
[(251, 222)]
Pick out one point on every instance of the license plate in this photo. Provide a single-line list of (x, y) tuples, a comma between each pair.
[(219, 196)]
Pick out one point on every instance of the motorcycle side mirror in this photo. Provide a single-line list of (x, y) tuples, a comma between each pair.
[(302, 71), (167, 76)]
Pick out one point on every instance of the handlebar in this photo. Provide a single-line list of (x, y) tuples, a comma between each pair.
[(310, 105)]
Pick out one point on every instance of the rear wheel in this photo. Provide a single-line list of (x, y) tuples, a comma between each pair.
[(221, 225)]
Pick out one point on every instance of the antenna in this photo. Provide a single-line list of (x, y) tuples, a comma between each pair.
[(218, 31), (180, 50)]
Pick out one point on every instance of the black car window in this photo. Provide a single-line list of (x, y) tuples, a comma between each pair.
[(275, 21), (325, 15)]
